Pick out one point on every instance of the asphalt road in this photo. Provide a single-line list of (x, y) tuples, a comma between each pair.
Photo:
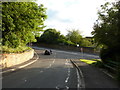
[(49, 71)]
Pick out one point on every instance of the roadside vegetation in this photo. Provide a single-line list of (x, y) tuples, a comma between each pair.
[(19, 49), (73, 38), (107, 36), (21, 23)]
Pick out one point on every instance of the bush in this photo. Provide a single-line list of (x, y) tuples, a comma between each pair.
[(111, 57), (106, 55), (5, 49)]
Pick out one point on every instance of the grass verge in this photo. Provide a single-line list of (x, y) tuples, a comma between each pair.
[(93, 62)]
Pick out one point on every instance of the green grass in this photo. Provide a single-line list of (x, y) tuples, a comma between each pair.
[(5, 49), (88, 61), (93, 62)]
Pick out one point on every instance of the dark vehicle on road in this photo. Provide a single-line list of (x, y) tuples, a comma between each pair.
[(47, 52), (51, 51)]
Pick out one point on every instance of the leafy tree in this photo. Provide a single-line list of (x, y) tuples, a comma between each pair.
[(74, 36), (86, 43), (21, 22), (106, 30), (50, 36), (107, 33)]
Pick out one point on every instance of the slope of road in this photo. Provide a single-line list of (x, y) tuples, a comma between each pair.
[(49, 71), (56, 71)]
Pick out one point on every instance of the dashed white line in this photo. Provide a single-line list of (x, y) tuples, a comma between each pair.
[(57, 87), (67, 87), (41, 71), (66, 80), (68, 76)]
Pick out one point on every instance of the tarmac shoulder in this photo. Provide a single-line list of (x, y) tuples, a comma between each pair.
[(95, 78)]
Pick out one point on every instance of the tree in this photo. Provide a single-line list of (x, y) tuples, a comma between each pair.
[(106, 30), (74, 36), (50, 36), (21, 22), (87, 42), (107, 33)]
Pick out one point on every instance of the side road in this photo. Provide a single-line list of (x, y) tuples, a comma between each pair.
[(20, 66), (94, 77)]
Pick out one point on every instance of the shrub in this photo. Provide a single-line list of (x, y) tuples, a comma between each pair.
[(5, 49)]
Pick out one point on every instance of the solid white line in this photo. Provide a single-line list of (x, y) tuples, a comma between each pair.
[(23, 65), (78, 77), (27, 64), (107, 74)]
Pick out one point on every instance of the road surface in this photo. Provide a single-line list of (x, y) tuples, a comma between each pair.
[(49, 71)]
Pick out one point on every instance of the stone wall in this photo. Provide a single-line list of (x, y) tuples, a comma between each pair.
[(8, 60)]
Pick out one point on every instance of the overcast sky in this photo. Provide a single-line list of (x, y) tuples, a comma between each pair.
[(66, 15)]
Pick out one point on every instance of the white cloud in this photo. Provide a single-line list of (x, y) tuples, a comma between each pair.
[(72, 14)]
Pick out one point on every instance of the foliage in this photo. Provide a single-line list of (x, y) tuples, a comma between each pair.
[(95, 62), (107, 33), (21, 22), (74, 36), (86, 43), (106, 30), (50, 36), (19, 49)]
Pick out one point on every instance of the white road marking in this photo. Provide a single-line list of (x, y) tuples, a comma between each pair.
[(27, 64), (66, 80), (67, 87), (67, 62), (78, 78), (53, 61), (49, 66), (57, 87), (41, 71), (68, 76)]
